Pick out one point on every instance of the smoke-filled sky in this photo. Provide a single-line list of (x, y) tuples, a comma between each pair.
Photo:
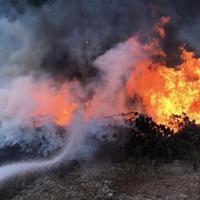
[(63, 38)]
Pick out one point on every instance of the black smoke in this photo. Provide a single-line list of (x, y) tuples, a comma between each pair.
[(183, 27), (72, 34)]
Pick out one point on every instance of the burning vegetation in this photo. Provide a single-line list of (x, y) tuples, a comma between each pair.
[(166, 91)]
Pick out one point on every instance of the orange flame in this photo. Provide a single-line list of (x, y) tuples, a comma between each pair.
[(164, 91), (53, 105), (168, 91)]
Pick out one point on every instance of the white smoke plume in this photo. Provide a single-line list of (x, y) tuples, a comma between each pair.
[(116, 65), (71, 148), (76, 146)]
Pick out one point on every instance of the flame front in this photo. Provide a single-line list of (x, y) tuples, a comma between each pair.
[(164, 91), (168, 91)]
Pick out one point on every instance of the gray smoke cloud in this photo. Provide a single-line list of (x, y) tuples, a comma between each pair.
[(63, 38)]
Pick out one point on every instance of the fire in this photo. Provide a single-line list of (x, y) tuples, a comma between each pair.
[(164, 91), (53, 105), (168, 91)]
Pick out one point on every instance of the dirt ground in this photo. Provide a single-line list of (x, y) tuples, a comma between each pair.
[(124, 181)]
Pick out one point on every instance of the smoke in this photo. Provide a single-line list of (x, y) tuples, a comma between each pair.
[(23, 95), (59, 57), (78, 145), (17, 102), (183, 28), (190, 34), (71, 148), (115, 65), (63, 38), (24, 99), (60, 41)]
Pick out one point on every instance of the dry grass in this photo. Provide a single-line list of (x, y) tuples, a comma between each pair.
[(123, 181)]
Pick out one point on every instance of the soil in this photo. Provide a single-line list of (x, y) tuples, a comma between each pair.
[(119, 181)]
